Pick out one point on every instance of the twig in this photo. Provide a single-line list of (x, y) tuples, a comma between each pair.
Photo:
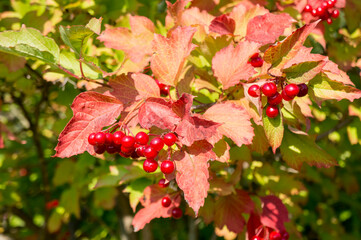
[(342, 123)]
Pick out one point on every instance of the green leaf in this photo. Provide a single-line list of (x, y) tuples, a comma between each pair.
[(64, 173), (135, 190), (70, 201), (299, 148), (303, 72), (273, 128), (322, 87), (54, 222), (105, 197), (69, 61), (28, 42), (76, 36)]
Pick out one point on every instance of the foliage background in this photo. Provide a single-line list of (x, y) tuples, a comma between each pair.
[(323, 203)]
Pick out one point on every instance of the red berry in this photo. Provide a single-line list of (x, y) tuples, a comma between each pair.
[(167, 167), (331, 3), (157, 143), (275, 236), (128, 141), (141, 138), (166, 201), (303, 90), (117, 137), (165, 90), (150, 152), (127, 150), (324, 5), (291, 90), (335, 13), (320, 11), (111, 149), (329, 21), (257, 62), (308, 8), (140, 151), (257, 238), (255, 55), (169, 139), (285, 96), (150, 165), (269, 89), (177, 213), (52, 204), (275, 99), (272, 111), (99, 149), (108, 138), (162, 183), (254, 91), (91, 139), (100, 138), (314, 12), (285, 235)]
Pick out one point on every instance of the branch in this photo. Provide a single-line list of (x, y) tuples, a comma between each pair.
[(342, 123), (203, 106)]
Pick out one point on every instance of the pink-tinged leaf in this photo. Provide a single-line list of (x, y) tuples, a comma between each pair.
[(268, 28), (323, 87), (206, 5), (182, 107), (230, 209), (133, 86), (231, 124), (304, 103), (175, 12), (152, 202), (274, 213), (255, 101), (171, 53), (303, 72), (193, 16), (192, 172), (230, 65), (223, 25), (278, 55), (299, 148), (136, 43), (334, 73), (91, 112), (305, 55), (158, 112), (254, 222)]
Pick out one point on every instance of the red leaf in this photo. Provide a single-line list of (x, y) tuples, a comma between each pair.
[(192, 172), (171, 53), (223, 25), (230, 65), (231, 124), (174, 13), (136, 43), (153, 208), (230, 210), (158, 112), (267, 28), (182, 107), (274, 213), (91, 112), (253, 223), (193, 16), (133, 87)]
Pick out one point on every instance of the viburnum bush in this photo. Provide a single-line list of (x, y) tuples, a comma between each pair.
[(196, 105)]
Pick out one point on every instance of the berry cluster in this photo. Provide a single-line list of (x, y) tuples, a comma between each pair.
[(166, 201), (129, 146), (275, 235), (325, 11), (164, 89), (274, 98), (256, 60)]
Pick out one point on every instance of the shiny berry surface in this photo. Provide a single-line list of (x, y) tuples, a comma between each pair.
[(285, 235), (320, 11), (157, 143), (177, 213), (111, 149), (275, 235), (140, 151), (108, 138), (169, 139), (167, 167), (100, 138), (329, 21), (257, 238), (291, 90), (166, 201), (308, 8), (91, 139), (150, 165), (254, 90), (269, 89), (314, 12), (127, 150), (275, 99), (142, 138), (272, 111), (150, 152), (257, 62), (162, 183), (335, 13), (285, 96), (99, 149), (303, 90), (117, 137), (128, 141)]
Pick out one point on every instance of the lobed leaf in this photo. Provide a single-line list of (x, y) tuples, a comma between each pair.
[(274, 213), (222, 25)]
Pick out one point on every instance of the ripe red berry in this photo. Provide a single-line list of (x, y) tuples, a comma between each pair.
[(169, 139), (157, 143), (257, 238), (257, 62), (335, 13), (108, 138), (331, 3), (177, 213), (167, 167), (291, 90), (150, 165), (314, 12), (275, 235), (285, 96), (269, 89), (141, 138), (162, 183), (272, 111), (329, 21), (117, 137), (99, 149), (164, 90), (150, 152), (91, 139), (100, 138), (320, 11), (128, 141), (303, 90), (254, 91), (275, 99), (140, 151), (308, 8), (127, 150), (324, 5), (166, 201), (111, 149)]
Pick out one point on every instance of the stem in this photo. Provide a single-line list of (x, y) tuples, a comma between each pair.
[(342, 123), (127, 118)]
